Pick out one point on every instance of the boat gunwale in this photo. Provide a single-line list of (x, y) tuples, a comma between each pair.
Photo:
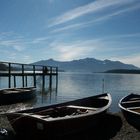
[(67, 103), (91, 113), (18, 89)]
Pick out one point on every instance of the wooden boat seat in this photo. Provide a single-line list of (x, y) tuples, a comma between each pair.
[(36, 115), (44, 117), (129, 102), (82, 107), (133, 108)]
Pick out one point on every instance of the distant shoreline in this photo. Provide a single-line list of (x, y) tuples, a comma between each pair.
[(123, 71)]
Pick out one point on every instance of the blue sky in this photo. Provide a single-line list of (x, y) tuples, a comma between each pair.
[(33, 30)]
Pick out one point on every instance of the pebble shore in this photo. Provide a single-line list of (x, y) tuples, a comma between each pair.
[(127, 132)]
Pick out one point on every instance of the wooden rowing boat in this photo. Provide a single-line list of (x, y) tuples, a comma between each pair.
[(60, 119), (14, 95), (130, 106)]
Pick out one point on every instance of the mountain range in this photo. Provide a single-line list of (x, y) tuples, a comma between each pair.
[(86, 64)]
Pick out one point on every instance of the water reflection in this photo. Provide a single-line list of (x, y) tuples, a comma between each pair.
[(77, 85), (48, 96)]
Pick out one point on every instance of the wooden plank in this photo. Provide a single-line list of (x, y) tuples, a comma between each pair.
[(133, 108), (129, 102), (25, 74), (82, 107)]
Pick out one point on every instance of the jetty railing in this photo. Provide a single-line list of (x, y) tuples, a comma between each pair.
[(9, 69)]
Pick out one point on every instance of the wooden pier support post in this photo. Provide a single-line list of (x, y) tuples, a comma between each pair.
[(50, 84), (9, 72), (56, 78), (23, 75), (14, 81), (43, 78), (34, 75), (26, 80)]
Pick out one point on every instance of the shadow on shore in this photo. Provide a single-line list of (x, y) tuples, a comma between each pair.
[(106, 129)]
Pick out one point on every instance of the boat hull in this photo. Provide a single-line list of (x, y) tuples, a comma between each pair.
[(130, 107), (40, 129), (14, 95), (132, 119), (35, 127)]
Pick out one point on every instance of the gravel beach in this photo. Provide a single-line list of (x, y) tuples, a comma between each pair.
[(127, 132), (114, 127)]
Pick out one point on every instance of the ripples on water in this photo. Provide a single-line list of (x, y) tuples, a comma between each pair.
[(77, 85)]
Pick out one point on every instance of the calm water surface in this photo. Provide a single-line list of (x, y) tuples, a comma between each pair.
[(77, 85)]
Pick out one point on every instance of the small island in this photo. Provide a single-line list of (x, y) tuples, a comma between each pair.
[(124, 71)]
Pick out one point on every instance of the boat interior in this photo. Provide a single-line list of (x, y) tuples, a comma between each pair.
[(132, 104), (64, 111)]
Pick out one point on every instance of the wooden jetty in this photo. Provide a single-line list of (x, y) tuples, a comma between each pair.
[(8, 69)]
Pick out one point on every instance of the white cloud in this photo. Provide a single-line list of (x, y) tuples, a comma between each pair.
[(117, 12), (73, 50), (109, 47), (11, 41), (73, 26), (11, 56), (16, 44), (21, 57), (5, 34), (18, 47), (131, 59), (39, 40), (27, 59), (92, 7), (70, 52), (98, 19)]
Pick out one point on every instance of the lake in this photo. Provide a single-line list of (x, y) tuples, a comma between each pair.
[(72, 85)]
